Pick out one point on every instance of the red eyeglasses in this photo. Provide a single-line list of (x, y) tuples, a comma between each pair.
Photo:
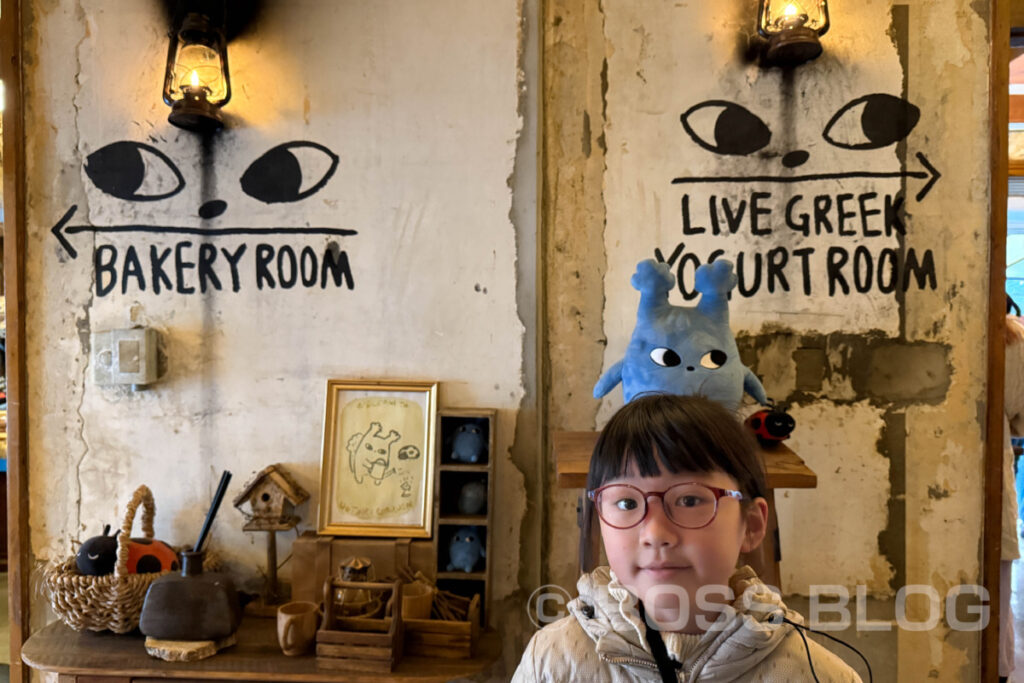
[(690, 505)]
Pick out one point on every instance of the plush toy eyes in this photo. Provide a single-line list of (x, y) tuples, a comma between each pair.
[(667, 358), (714, 359)]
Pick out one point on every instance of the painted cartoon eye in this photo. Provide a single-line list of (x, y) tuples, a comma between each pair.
[(666, 358), (369, 446), (714, 359), (872, 122), (278, 175), (725, 127), (134, 171)]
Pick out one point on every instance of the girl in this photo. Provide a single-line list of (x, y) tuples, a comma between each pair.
[(678, 490)]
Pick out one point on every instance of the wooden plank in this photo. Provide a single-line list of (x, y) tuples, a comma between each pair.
[(999, 67), (355, 664), (11, 60), (354, 651), (360, 624), (784, 468), (354, 638), (1016, 108), (436, 626), (438, 640)]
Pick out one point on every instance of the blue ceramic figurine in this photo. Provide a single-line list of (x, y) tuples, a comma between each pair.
[(465, 549)]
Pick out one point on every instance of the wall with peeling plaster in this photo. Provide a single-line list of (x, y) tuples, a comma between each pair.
[(426, 148), (887, 386)]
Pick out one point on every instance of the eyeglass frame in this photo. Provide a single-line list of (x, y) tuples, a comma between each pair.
[(717, 490)]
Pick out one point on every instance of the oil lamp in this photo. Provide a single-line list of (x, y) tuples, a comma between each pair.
[(792, 28), (196, 84)]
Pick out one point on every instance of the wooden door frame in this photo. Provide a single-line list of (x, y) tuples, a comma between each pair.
[(19, 563), (999, 117)]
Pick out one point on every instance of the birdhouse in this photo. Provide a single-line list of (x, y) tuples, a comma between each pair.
[(268, 501)]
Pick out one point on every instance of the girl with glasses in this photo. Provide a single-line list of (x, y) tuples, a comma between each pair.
[(677, 488)]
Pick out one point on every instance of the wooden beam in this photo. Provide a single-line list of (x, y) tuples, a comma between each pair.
[(999, 116), (14, 291), (1016, 19)]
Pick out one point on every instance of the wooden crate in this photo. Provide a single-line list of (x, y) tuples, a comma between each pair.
[(320, 556), (441, 638), (359, 643)]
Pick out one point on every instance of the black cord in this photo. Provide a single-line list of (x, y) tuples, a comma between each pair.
[(807, 649), (800, 628)]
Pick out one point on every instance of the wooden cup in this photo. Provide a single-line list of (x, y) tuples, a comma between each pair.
[(297, 623)]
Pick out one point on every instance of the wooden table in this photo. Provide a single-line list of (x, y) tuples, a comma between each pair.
[(783, 467), (89, 657)]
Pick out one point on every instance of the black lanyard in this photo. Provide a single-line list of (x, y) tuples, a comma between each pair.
[(666, 666)]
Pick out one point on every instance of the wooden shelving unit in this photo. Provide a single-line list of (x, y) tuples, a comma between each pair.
[(451, 476)]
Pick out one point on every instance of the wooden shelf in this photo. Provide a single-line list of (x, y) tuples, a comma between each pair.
[(465, 576), (468, 467), (450, 477), (572, 451), (107, 656), (472, 520)]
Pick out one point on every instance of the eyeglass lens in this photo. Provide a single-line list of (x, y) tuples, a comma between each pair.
[(688, 505)]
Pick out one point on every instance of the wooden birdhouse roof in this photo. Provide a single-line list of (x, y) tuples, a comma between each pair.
[(276, 473)]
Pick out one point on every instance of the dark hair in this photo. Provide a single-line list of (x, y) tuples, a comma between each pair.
[(656, 432)]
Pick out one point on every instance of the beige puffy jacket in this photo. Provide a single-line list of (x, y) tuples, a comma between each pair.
[(603, 639)]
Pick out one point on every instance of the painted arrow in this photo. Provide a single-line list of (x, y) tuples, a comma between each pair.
[(931, 173), (61, 229)]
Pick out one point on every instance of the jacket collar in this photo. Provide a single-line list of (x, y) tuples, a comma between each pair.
[(744, 634)]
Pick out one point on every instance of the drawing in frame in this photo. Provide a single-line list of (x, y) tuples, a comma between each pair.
[(377, 466)]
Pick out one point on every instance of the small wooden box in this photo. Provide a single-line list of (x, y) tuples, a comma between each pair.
[(442, 638), (359, 643)]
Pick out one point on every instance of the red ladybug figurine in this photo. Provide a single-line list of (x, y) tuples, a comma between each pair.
[(771, 425), (148, 556)]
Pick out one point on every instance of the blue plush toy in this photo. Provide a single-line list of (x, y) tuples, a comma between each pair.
[(470, 442), (465, 549), (677, 350)]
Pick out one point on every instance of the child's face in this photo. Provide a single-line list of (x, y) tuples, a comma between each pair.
[(657, 552)]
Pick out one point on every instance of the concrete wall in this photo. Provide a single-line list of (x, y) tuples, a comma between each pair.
[(431, 114), (886, 382), (420, 104)]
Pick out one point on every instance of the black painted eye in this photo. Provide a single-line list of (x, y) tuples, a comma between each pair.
[(872, 122), (278, 175), (714, 359), (666, 358), (134, 171), (725, 127)]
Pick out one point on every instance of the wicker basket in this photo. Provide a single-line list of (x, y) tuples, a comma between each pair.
[(110, 602)]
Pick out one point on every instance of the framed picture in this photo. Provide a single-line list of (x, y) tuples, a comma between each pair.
[(377, 467)]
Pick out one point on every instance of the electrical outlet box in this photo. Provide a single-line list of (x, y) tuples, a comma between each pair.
[(125, 356)]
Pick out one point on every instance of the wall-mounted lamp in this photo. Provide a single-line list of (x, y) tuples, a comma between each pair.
[(792, 28), (197, 85)]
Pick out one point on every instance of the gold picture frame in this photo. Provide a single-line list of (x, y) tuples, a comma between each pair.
[(377, 465)]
